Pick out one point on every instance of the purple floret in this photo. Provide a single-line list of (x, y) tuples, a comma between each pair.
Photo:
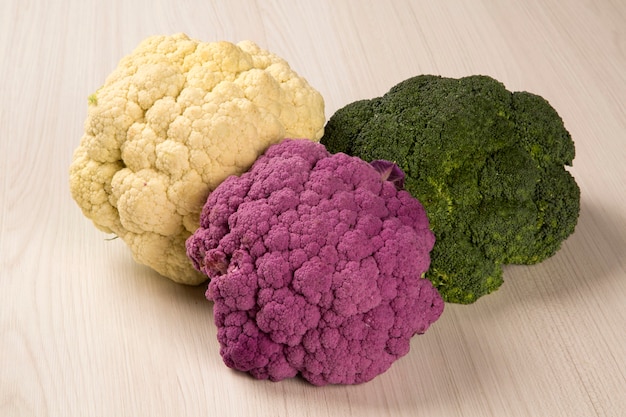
[(316, 266)]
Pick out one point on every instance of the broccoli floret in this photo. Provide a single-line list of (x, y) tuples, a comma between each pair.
[(487, 164)]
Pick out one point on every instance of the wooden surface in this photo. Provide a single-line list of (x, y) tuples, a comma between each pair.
[(84, 331)]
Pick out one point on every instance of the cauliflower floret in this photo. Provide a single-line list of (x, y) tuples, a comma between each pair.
[(316, 264), (171, 122)]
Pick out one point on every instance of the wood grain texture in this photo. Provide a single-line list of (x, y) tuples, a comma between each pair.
[(84, 331)]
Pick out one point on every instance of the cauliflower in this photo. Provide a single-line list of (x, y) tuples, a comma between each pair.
[(173, 120), (316, 265)]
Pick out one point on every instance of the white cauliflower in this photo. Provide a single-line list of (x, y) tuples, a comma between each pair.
[(173, 120)]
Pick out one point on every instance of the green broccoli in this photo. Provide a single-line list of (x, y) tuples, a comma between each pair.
[(486, 163)]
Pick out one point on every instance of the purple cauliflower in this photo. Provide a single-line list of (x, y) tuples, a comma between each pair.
[(316, 265)]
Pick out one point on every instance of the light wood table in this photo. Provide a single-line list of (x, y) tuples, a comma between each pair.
[(84, 331)]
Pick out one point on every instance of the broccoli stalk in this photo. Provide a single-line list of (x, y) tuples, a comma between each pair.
[(486, 163)]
